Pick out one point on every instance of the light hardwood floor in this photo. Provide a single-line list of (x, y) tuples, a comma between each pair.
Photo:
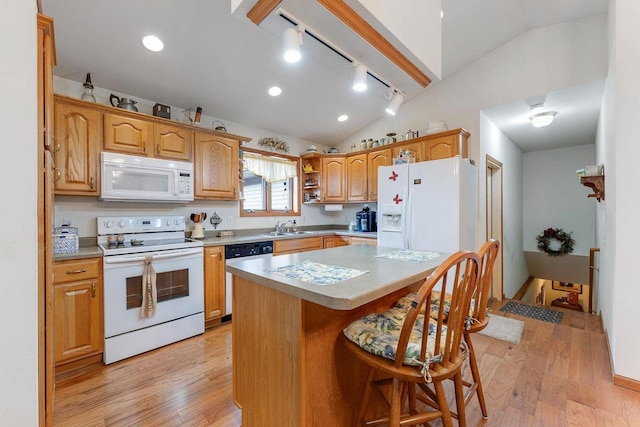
[(559, 375)]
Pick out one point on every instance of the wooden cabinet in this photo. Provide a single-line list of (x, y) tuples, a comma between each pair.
[(173, 142), (214, 285), (334, 241), (312, 175), (334, 180), (374, 160), (76, 149), (77, 310), (291, 246), (216, 167), (127, 135), (362, 241), (137, 136), (446, 144), (357, 178), (415, 148)]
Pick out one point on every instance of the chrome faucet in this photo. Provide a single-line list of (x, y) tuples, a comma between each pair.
[(280, 227)]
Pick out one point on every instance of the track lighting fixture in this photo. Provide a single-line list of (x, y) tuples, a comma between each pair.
[(292, 39), (359, 78), (540, 118), (396, 102)]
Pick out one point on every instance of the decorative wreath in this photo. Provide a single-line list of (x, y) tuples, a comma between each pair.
[(565, 239)]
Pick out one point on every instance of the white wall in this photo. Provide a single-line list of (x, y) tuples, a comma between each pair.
[(19, 244), (83, 210), (555, 198), (625, 232), (497, 145)]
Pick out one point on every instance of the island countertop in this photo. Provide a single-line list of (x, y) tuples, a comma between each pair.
[(383, 276)]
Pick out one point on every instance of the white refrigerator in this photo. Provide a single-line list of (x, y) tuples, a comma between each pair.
[(428, 206)]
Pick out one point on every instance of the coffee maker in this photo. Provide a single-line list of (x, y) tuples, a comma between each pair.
[(366, 220)]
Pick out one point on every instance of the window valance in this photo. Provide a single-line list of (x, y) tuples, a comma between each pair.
[(272, 169)]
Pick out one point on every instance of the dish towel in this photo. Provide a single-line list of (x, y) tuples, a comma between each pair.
[(149, 291)]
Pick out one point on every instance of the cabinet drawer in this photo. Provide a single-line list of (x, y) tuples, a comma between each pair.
[(297, 245), (73, 270)]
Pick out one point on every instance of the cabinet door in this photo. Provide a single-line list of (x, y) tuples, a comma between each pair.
[(214, 285), (445, 146), (172, 142), (334, 180), (290, 246), (126, 135), (363, 241), (375, 159), (357, 178), (415, 149), (334, 241), (216, 167), (77, 320), (76, 150)]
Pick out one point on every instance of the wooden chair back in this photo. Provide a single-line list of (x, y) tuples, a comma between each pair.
[(488, 254), (458, 276)]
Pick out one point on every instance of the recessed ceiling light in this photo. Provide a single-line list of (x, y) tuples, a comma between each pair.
[(441, 13), (153, 43), (275, 91), (343, 118)]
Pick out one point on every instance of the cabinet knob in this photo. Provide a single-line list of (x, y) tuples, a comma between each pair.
[(158, 149), (58, 174), (91, 183), (144, 146), (93, 289)]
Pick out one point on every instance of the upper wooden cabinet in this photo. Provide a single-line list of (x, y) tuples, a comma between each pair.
[(334, 180), (216, 167), (374, 160), (416, 149), (172, 142), (76, 148), (128, 135), (446, 144), (357, 178)]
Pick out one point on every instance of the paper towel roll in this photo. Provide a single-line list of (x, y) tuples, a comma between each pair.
[(333, 208)]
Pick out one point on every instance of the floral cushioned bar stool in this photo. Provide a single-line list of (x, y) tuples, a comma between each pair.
[(394, 346)]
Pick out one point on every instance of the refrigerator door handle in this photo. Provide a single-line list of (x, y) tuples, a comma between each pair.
[(406, 219)]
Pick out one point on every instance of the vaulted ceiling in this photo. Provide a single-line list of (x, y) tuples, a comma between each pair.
[(225, 63)]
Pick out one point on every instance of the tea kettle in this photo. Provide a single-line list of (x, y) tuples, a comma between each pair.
[(126, 103), (410, 135)]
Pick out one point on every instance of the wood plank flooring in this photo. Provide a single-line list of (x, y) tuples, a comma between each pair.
[(559, 375)]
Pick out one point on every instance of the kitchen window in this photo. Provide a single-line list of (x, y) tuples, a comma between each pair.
[(270, 184)]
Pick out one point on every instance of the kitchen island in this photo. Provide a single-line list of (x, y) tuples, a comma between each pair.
[(290, 364)]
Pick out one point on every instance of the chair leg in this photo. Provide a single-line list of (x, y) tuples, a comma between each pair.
[(365, 397), (462, 418), (475, 373), (396, 403), (443, 406)]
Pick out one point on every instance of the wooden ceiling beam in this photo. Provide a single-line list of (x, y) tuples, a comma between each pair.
[(351, 19), (261, 10)]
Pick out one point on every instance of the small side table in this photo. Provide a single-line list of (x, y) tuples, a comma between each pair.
[(563, 303)]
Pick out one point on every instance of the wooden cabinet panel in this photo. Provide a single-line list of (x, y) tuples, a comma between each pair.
[(77, 310), (216, 167), (290, 246), (446, 144), (416, 150), (334, 241), (173, 142), (357, 178), (126, 135), (374, 160), (334, 180), (214, 285), (362, 241), (76, 149)]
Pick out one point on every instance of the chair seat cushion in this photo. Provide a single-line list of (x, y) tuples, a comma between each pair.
[(405, 303), (378, 333)]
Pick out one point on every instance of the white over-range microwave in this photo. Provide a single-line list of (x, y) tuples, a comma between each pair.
[(134, 179)]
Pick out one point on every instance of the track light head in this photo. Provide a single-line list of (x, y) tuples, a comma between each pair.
[(291, 40), (396, 102), (360, 78)]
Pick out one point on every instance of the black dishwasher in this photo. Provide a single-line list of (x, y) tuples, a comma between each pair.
[(241, 250)]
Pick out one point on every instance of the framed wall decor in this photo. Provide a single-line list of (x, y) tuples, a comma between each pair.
[(566, 286)]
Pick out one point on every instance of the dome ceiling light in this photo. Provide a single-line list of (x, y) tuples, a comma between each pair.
[(539, 117)]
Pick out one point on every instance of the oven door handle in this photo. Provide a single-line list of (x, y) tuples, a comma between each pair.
[(136, 258)]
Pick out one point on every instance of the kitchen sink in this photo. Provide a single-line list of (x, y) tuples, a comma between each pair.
[(287, 233)]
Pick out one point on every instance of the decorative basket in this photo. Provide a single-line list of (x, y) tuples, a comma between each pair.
[(65, 240)]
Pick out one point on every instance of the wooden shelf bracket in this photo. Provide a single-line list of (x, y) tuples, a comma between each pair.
[(596, 183)]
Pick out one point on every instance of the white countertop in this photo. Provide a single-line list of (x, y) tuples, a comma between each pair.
[(384, 275)]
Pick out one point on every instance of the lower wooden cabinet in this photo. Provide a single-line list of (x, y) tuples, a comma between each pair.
[(361, 241), (291, 246), (214, 285), (334, 241), (77, 310)]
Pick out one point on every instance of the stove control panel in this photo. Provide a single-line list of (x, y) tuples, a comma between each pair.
[(147, 224)]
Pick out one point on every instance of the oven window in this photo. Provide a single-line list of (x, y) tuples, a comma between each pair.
[(170, 285)]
